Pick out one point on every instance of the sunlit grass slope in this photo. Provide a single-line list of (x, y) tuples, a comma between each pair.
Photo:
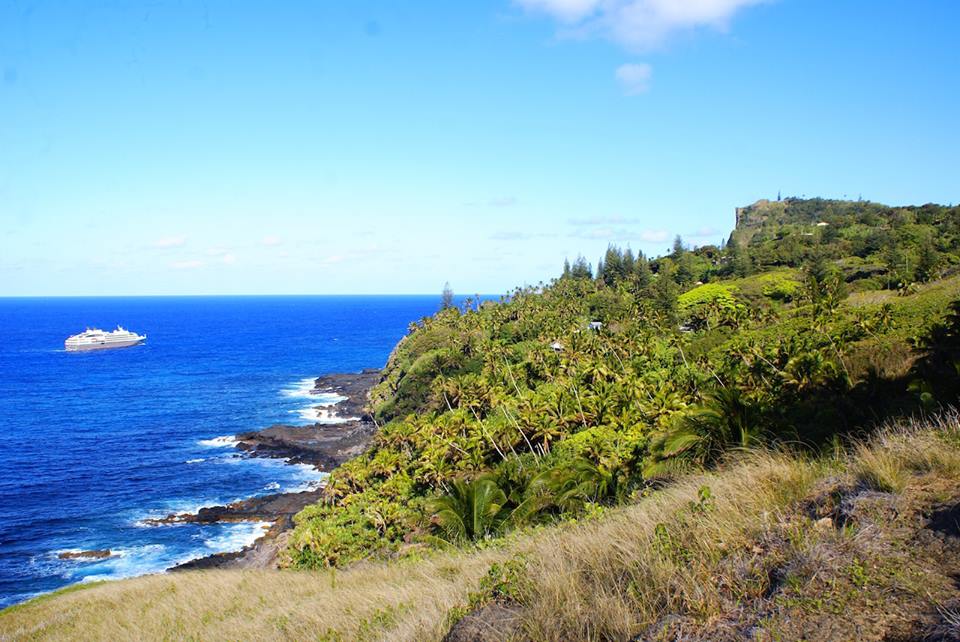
[(860, 546)]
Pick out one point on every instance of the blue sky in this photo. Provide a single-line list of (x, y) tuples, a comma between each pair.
[(381, 147)]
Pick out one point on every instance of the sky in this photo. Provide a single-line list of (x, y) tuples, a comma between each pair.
[(357, 146)]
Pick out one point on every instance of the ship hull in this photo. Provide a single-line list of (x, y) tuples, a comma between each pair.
[(103, 345)]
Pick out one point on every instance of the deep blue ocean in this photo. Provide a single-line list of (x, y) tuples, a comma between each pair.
[(93, 443)]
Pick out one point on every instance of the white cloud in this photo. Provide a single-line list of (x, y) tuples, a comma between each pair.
[(564, 10), (503, 201), (604, 220), (634, 78), (654, 236), (507, 235), (638, 25), (602, 234), (704, 232), (191, 264), (170, 241), (271, 241), (229, 259)]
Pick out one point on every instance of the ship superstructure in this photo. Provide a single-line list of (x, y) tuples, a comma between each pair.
[(96, 339)]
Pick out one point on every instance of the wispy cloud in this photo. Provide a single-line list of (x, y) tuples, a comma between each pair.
[(271, 241), (638, 25), (704, 232), (654, 236), (634, 78), (498, 201), (503, 201), (615, 228), (170, 241), (602, 234), (621, 234), (190, 264), (604, 220), (507, 235)]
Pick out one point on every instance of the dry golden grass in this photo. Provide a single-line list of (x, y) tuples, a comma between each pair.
[(410, 600), (681, 562), (611, 578)]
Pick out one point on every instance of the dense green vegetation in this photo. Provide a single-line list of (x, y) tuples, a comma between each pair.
[(816, 319)]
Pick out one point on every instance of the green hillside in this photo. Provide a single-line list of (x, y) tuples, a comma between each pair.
[(753, 441), (592, 390)]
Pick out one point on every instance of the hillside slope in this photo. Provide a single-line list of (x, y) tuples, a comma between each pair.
[(558, 465), (864, 545), (582, 392)]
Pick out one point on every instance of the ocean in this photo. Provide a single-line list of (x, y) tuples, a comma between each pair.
[(94, 443)]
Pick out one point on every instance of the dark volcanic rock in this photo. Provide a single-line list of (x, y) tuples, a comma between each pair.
[(946, 520), (325, 446), (269, 508), (494, 622), (354, 386), (86, 555), (322, 445)]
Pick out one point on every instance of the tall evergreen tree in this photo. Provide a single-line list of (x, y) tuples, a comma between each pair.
[(628, 262), (678, 248), (641, 268), (581, 269), (446, 298), (665, 291), (928, 260), (613, 271)]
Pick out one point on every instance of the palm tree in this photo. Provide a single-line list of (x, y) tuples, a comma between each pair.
[(473, 510), (569, 487), (726, 420)]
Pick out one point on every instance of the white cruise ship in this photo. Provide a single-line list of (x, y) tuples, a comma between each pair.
[(97, 339)]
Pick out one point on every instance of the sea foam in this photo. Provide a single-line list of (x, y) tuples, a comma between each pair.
[(302, 389), (237, 536), (322, 415), (224, 441)]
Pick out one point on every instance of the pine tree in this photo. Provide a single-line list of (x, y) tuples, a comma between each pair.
[(684, 273), (581, 269), (665, 291), (678, 248), (613, 271), (642, 271), (928, 261), (446, 298)]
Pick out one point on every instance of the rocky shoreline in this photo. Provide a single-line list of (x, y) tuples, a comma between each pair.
[(345, 432)]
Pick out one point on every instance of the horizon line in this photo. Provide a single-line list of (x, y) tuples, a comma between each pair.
[(161, 296)]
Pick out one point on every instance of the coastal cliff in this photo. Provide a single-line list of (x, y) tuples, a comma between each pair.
[(346, 432)]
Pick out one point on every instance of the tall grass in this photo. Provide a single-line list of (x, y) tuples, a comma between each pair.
[(689, 550), (410, 600)]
